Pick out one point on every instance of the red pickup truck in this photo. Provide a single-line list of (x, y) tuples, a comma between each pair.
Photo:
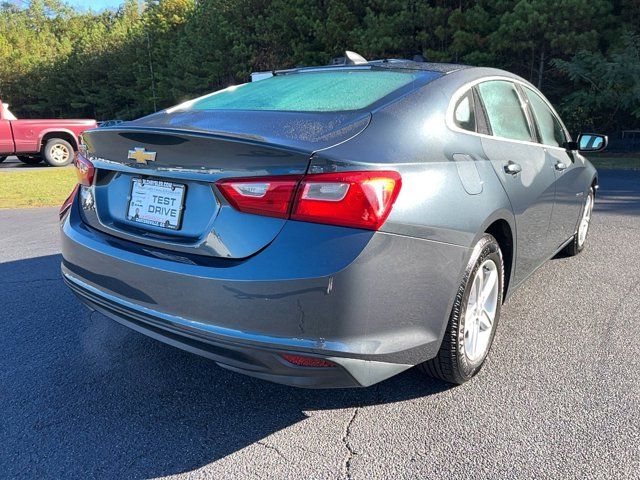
[(54, 141)]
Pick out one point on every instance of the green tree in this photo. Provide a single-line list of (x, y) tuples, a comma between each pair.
[(127, 63), (606, 89)]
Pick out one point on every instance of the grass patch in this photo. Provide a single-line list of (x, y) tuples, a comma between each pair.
[(626, 161), (36, 188)]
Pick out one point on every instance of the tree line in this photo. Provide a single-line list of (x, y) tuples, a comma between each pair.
[(57, 61)]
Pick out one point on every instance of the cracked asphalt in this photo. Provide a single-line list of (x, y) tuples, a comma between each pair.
[(83, 397)]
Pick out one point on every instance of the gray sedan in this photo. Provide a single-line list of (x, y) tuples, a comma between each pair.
[(330, 226)]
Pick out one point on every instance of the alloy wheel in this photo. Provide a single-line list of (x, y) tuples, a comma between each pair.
[(481, 311), (584, 221)]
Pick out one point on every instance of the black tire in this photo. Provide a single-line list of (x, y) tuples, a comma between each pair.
[(575, 247), (30, 159), (52, 149), (451, 364), (2, 159)]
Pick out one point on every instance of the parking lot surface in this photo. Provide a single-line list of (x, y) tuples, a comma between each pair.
[(83, 397), (12, 163)]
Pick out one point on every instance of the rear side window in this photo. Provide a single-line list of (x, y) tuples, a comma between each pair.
[(329, 91), (502, 104), (551, 131), (464, 114)]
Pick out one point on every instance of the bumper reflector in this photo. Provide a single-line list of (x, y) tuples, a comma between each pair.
[(302, 361)]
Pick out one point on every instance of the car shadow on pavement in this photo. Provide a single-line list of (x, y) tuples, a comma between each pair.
[(82, 396)]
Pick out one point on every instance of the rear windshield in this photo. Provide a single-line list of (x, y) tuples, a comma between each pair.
[(330, 91)]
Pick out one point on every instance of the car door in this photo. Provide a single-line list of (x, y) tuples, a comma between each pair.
[(6, 137), (523, 168), (568, 168)]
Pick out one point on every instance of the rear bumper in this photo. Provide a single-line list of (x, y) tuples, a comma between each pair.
[(253, 359), (374, 304)]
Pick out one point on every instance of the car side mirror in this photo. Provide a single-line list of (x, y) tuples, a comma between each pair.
[(588, 143)]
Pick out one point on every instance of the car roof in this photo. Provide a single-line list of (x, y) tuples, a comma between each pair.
[(390, 64)]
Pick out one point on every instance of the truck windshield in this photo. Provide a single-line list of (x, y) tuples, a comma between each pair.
[(328, 91)]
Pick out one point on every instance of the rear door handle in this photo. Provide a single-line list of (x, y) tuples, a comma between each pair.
[(561, 166), (512, 168)]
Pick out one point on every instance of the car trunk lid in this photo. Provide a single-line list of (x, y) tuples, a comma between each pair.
[(183, 155)]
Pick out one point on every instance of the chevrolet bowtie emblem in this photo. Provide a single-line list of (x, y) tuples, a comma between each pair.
[(140, 155)]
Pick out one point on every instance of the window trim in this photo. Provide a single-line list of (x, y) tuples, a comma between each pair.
[(463, 89), (479, 105), (535, 118), (472, 110), (528, 113)]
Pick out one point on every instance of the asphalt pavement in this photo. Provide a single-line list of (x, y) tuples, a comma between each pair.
[(83, 397), (12, 163)]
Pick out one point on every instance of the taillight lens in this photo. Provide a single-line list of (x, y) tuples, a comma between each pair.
[(68, 202), (269, 196), (352, 199), (85, 170)]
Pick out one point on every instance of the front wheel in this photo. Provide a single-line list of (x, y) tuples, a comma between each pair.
[(580, 237), (58, 152), (474, 316)]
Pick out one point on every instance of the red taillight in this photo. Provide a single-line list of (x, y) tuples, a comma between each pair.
[(85, 170), (67, 203), (302, 361), (261, 195), (352, 199)]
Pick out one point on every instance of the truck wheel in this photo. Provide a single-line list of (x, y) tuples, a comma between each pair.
[(58, 152), (30, 159)]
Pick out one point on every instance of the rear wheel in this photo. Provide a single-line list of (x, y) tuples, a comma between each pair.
[(58, 152), (579, 239), (30, 159), (474, 316)]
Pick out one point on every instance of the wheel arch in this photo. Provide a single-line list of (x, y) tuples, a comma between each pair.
[(501, 230), (63, 134)]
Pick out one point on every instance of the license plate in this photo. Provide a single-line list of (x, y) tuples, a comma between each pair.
[(157, 203)]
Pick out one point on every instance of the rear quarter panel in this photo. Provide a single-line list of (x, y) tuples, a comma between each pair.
[(450, 192)]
